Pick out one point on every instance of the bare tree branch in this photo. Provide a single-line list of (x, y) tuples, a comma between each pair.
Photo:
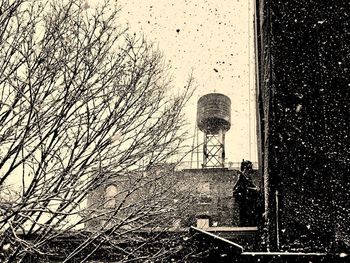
[(82, 104)]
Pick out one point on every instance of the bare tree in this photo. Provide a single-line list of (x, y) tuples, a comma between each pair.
[(82, 104)]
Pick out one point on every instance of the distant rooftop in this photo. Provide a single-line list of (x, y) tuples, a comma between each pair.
[(228, 165)]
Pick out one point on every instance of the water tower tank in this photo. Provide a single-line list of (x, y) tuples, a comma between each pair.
[(214, 113)]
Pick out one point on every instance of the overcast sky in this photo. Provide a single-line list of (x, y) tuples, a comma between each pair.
[(215, 39)]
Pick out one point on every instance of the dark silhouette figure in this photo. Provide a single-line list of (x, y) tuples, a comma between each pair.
[(246, 195)]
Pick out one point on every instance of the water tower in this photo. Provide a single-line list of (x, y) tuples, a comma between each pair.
[(214, 120)]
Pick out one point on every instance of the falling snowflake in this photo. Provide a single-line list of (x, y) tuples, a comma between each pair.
[(298, 108), (6, 247)]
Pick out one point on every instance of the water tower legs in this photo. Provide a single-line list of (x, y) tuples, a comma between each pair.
[(214, 150)]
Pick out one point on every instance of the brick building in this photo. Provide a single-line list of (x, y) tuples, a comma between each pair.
[(206, 197)]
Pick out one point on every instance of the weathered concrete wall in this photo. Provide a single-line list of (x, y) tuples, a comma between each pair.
[(304, 59)]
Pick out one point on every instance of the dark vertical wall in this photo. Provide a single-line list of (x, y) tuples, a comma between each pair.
[(304, 59)]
